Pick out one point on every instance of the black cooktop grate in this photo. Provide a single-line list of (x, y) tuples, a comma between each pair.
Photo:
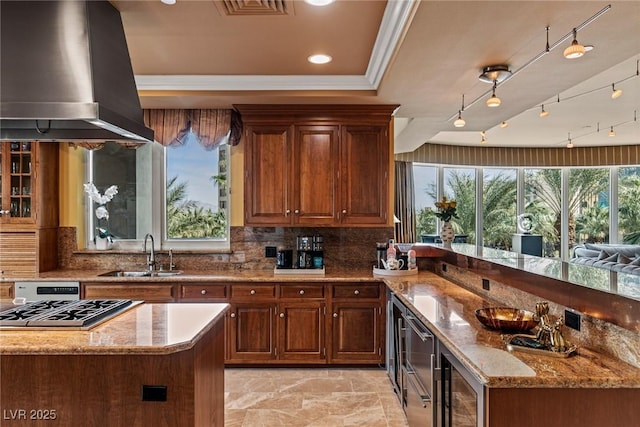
[(62, 313)]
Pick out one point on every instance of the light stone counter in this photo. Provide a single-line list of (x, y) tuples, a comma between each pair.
[(449, 311), (144, 329)]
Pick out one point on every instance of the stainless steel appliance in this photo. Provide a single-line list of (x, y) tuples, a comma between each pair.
[(55, 291), (47, 314), (411, 364), (461, 395)]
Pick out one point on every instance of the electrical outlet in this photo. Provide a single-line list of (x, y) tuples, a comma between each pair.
[(572, 320), (444, 267), (154, 393), (485, 284), (270, 252)]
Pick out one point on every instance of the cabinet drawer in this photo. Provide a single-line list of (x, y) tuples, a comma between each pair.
[(148, 293), (202, 292), (253, 291), (301, 291), (356, 290)]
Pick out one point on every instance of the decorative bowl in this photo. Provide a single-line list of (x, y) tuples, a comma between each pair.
[(507, 319), (404, 247)]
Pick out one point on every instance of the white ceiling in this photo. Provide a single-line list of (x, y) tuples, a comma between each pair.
[(422, 55)]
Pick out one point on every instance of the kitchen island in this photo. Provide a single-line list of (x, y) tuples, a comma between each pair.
[(155, 364)]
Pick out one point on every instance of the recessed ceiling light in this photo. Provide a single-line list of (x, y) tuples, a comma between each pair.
[(168, 1), (319, 2), (319, 59)]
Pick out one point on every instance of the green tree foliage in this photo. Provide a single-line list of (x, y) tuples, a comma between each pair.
[(499, 211), (629, 207), (187, 220), (593, 224), (425, 221)]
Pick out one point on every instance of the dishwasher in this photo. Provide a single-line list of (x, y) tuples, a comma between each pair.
[(416, 352)]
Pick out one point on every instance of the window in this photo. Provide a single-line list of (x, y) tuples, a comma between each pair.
[(196, 191), (460, 185), (499, 201), (543, 200), (425, 195), (588, 206), (130, 209), (190, 210), (629, 205)]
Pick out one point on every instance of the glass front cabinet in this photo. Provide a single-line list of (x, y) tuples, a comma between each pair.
[(17, 179)]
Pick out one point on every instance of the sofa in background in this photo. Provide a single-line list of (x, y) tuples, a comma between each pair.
[(620, 258)]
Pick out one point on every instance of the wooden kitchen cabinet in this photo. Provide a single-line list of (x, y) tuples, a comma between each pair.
[(203, 292), (357, 323), (316, 165), (6, 290), (301, 323), (251, 332), (148, 292), (28, 207)]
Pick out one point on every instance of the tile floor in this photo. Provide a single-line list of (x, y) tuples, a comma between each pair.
[(313, 397)]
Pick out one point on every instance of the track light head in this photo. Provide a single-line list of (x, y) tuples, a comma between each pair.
[(615, 92), (575, 50), (543, 112), (459, 123), (494, 101)]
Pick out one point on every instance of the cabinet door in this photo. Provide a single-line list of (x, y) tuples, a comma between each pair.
[(364, 165), (356, 332), (250, 335), (17, 166), (267, 175), (301, 331), (315, 177)]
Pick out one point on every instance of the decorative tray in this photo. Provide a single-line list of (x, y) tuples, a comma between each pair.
[(396, 273), (298, 271), (529, 344)]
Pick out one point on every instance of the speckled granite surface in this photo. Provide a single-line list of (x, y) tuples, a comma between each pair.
[(144, 329), (449, 311)]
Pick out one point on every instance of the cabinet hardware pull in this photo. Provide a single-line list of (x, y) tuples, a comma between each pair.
[(282, 315), (297, 211), (344, 211), (287, 212), (335, 314), (356, 292), (233, 315), (203, 292), (301, 291), (253, 292)]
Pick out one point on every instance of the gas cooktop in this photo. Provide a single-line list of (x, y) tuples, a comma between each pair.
[(79, 314)]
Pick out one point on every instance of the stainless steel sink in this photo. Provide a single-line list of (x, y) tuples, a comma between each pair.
[(120, 273)]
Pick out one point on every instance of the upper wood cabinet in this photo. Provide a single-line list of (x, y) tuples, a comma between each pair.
[(28, 207), (316, 165)]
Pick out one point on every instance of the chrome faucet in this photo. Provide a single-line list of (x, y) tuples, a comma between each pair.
[(171, 264), (151, 258)]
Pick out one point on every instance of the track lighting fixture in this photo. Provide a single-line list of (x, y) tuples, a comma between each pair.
[(575, 50), (544, 113), (616, 92), (483, 140), (494, 101), (504, 125), (168, 1), (459, 123), (612, 132)]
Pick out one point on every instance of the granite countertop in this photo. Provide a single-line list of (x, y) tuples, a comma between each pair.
[(145, 329), (331, 275), (449, 311)]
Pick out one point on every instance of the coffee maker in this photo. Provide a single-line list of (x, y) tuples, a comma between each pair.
[(310, 251)]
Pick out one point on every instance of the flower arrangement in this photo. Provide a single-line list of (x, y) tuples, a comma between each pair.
[(446, 209), (101, 211)]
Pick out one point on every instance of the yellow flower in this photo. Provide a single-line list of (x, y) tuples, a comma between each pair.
[(446, 209)]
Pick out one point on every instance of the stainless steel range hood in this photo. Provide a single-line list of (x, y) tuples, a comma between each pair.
[(66, 74)]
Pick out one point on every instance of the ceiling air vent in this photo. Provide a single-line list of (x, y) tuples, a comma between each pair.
[(257, 7)]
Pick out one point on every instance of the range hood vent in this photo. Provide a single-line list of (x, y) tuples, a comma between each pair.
[(66, 74)]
